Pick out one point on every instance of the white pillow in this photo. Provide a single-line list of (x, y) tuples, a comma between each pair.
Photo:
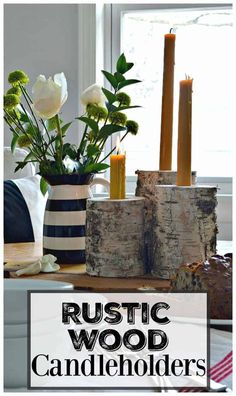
[(10, 164), (35, 201)]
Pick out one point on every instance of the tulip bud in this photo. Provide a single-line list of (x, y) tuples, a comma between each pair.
[(49, 95), (93, 95)]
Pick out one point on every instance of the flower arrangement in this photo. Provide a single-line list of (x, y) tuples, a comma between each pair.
[(36, 124)]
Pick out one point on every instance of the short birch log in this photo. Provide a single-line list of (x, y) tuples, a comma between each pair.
[(184, 227), (114, 237), (149, 179), (146, 187)]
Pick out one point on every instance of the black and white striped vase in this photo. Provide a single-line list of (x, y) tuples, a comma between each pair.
[(65, 216)]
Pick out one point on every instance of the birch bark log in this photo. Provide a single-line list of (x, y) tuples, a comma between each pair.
[(184, 227), (146, 187), (115, 237)]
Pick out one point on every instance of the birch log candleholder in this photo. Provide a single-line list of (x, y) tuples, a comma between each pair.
[(146, 187), (147, 180), (184, 227), (115, 237)]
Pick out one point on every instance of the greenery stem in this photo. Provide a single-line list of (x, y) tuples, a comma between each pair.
[(10, 126), (29, 102), (84, 134), (18, 125), (42, 121), (26, 93), (47, 144), (59, 133), (37, 146), (82, 140)]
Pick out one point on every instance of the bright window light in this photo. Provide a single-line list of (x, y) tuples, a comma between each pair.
[(204, 50)]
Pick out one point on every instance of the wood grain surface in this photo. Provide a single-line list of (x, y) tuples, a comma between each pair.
[(21, 253), (76, 274)]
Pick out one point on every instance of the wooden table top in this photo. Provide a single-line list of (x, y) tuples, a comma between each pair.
[(76, 274)]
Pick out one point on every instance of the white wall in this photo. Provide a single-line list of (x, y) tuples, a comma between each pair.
[(43, 39)]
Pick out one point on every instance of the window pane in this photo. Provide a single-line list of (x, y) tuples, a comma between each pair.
[(204, 47)]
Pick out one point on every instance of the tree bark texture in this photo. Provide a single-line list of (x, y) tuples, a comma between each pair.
[(146, 183), (184, 227), (115, 237)]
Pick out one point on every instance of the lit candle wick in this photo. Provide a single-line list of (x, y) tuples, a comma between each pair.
[(187, 77), (118, 148)]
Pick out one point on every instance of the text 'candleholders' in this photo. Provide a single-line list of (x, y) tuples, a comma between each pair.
[(146, 187), (184, 228), (115, 237)]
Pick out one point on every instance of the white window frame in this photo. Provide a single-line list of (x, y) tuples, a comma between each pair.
[(99, 45)]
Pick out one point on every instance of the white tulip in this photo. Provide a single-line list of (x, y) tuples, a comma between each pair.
[(93, 95), (49, 95)]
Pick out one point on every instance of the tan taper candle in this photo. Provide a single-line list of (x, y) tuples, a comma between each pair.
[(184, 177), (117, 173), (167, 103)]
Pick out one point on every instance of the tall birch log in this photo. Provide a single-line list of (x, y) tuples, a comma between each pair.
[(184, 227), (146, 187), (114, 237)]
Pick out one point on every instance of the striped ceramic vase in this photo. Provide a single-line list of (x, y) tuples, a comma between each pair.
[(65, 216)]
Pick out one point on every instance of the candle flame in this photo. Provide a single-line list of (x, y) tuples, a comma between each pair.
[(187, 77), (172, 28), (118, 147)]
